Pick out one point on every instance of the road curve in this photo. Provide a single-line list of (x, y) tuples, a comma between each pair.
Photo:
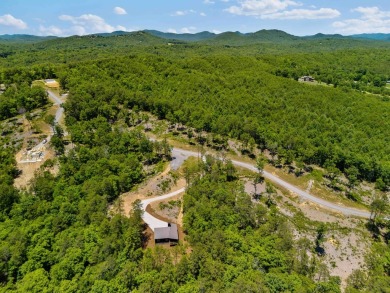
[(180, 155)]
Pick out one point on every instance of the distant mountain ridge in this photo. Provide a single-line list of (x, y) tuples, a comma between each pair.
[(379, 37), (183, 37), (20, 38), (225, 38), (262, 35), (324, 36)]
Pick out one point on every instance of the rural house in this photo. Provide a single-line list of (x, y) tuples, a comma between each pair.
[(307, 78), (167, 234)]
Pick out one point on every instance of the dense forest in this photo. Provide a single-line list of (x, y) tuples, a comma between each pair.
[(235, 97), (18, 99), (60, 235)]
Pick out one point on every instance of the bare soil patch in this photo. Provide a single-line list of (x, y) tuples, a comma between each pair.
[(250, 188), (152, 187), (169, 208), (344, 247), (28, 169), (345, 253), (37, 156)]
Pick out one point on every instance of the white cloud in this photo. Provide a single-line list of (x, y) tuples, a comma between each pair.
[(371, 12), (88, 24), (89, 21), (78, 30), (202, 14), (225, 1), (280, 9), (216, 31), (50, 31), (179, 13), (119, 10), (322, 13), (121, 28), (208, 2), (183, 12), (188, 30), (260, 7), (183, 30), (372, 20), (9, 20)]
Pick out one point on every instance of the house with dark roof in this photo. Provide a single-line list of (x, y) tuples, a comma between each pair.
[(307, 78), (167, 234)]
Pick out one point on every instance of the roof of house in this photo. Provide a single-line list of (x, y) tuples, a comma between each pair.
[(51, 83), (169, 232)]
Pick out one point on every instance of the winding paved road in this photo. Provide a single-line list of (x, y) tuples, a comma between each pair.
[(180, 155)]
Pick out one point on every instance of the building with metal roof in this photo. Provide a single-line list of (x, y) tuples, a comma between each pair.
[(166, 234)]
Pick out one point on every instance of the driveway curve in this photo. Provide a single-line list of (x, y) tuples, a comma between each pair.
[(57, 101), (153, 222)]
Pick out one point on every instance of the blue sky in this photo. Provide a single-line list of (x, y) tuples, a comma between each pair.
[(70, 17)]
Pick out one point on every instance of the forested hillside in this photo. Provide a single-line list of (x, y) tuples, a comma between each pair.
[(59, 236), (319, 125), (77, 48), (64, 232), (21, 98)]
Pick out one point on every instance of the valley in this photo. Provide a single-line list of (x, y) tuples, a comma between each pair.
[(275, 185)]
